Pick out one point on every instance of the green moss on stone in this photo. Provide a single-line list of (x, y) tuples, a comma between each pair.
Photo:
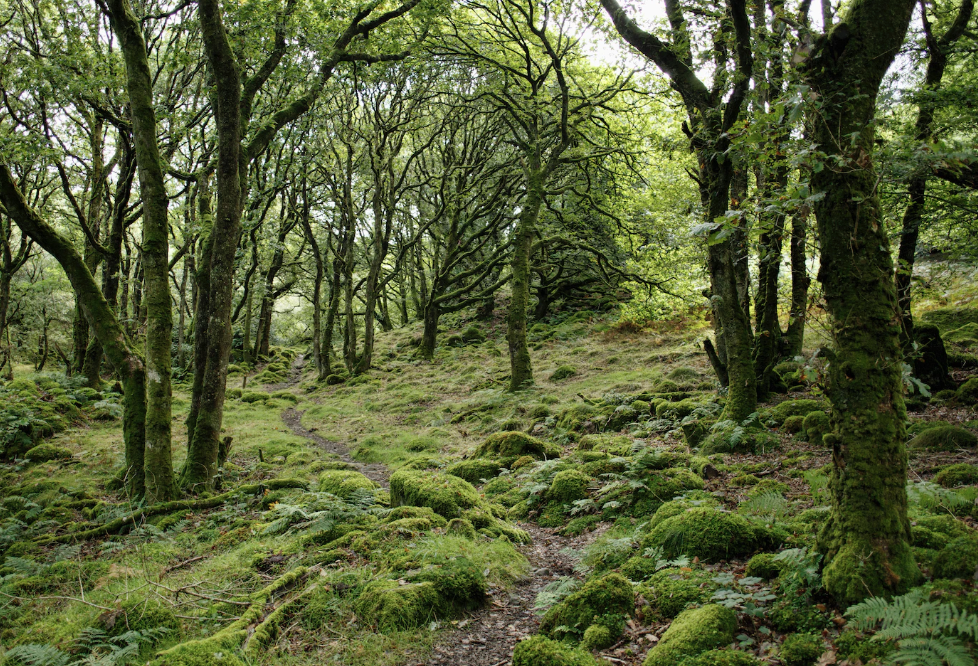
[(959, 559), (706, 533), (946, 438), (568, 486), (46, 452), (608, 601), (541, 651), (513, 445), (778, 414), (343, 483), (722, 658), (562, 373), (958, 474), (446, 495), (475, 470), (695, 631), (670, 591), (801, 650), (391, 606)]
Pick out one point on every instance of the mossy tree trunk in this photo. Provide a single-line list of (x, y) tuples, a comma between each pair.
[(710, 117), (520, 364), (202, 284), (866, 540), (158, 465), (794, 336), (101, 319), (937, 49)]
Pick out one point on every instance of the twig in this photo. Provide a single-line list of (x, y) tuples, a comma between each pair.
[(180, 565), (186, 590)]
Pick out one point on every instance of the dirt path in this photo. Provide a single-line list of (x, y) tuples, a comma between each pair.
[(487, 636), (293, 419)]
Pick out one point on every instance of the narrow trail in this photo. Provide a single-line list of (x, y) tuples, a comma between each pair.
[(292, 418), (487, 636)]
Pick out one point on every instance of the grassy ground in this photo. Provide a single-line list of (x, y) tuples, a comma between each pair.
[(379, 585)]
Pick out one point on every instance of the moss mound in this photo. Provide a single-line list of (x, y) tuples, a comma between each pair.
[(779, 413), (562, 373), (513, 445), (763, 565), (141, 615), (670, 591), (959, 559), (815, 425), (944, 438), (708, 534), (731, 437), (958, 474), (607, 601), (474, 471), (568, 486), (541, 651), (446, 495), (46, 452), (343, 483), (390, 606), (801, 650), (966, 336), (695, 631)]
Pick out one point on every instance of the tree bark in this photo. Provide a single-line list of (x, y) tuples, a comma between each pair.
[(866, 540)]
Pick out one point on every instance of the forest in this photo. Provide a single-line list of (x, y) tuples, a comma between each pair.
[(488, 332)]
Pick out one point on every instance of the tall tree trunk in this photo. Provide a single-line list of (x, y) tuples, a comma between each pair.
[(917, 187), (202, 286), (520, 365), (160, 485), (794, 337), (866, 540)]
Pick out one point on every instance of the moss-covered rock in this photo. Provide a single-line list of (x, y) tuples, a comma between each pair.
[(343, 483), (576, 417), (681, 505), (568, 486), (460, 583), (959, 559), (335, 380), (446, 495), (731, 437), (776, 415), (857, 648), (607, 601), (967, 393), (801, 650), (141, 615), (950, 318), (794, 424), (763, 565), (46, 452), (678, 410), (722, 658), (562, 373), (541, 651), (475, 470), (966, 336), (670, 591), (512, 445), (598, 637), (815, 426), (462, 527), (708, 534), (958, 474), (946, 438), (391, 606), (695, 631)]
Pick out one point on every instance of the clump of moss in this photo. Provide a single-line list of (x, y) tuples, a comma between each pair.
[(959, 559), (766, 487), (695, 631), (391, 606), (763, 565), (335, 380), (343, 483), (678, 410), (793, 424), (670, 591), (475, 470), (141, 615), (522, 462), (950, 318), (46, 452), (446, 495), (513, 445), (597, 637), (858, 648), (801, 650), (705, 533), (721, 658), (461, 527), (678, 506), (946, 438), (562, 373), (958, 474), (731, 437), (575, 417), (568, 486), (541, 651), (778, 414), (816, 425), (607, 601)]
